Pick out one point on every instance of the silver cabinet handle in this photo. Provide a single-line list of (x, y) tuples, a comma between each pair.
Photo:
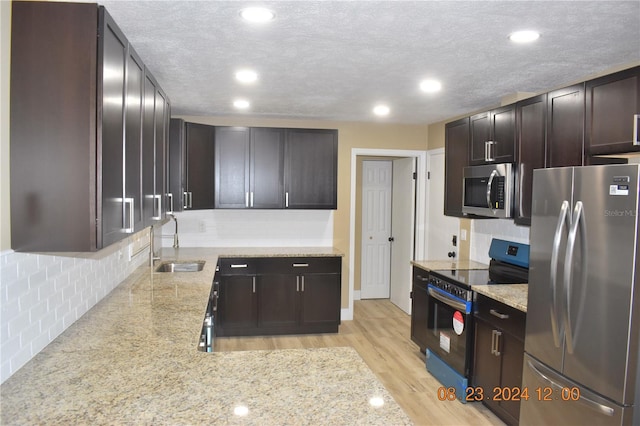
[(498, 314), (253, 280), (239, 265), (251, 199), (286, 199), (421, 278), (297, 283), (246, 199), (129, 202), (486, 150), (636, 127), (302, 278), (190, 199), (170, 196), (185, 203), (495, 342), (300, 265), (157, 199)]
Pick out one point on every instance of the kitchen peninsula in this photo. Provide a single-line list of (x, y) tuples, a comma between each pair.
[(133, 358)]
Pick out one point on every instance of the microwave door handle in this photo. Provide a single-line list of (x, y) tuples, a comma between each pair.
[(491, 176)]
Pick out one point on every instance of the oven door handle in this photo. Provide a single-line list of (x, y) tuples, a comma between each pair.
[(448, 300)]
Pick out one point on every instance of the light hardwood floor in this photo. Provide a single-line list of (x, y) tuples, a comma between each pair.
[(380, 334)]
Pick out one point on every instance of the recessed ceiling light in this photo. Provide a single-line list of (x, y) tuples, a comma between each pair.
[(241, 103), (381, 110), (257, 14), (246, 76), (524, 36), (430, 86)]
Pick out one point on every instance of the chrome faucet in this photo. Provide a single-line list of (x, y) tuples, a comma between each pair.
[(175, 234)]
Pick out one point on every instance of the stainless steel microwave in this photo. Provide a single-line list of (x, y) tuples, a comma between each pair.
[(488, 190)]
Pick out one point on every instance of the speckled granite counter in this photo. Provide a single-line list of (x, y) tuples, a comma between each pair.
[(448, 264), (514, 295), (133, 359)]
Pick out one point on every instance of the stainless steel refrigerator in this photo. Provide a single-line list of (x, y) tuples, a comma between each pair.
[(581, 363)]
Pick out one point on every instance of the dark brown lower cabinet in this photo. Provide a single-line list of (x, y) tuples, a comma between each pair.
[(498, 357), (419, 314), (284, 295)]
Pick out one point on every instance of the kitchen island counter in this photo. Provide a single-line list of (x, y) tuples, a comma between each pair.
[(133, 359)]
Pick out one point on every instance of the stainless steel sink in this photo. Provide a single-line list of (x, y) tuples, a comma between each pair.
[(181, 266)]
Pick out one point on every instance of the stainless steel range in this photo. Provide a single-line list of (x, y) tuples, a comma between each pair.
[(450, 311)]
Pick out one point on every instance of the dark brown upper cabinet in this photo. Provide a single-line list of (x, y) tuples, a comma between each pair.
[(249, 167), (154, 145), (565, 127), (311, 169), (493, 136), (77, 106), (176, 165), (531, 116), (613, 113), (199, 167), (456, 158)]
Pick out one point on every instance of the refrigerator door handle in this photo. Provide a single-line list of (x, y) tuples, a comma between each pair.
[(563, 218), (578, 222), (608, 411)]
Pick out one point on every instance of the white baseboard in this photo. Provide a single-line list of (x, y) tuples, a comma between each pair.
[(356, 294)]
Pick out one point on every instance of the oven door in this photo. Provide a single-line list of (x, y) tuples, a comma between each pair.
[(449, 329)]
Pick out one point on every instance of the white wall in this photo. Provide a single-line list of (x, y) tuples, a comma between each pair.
[(483, 230), (251, 228), (42, 294)]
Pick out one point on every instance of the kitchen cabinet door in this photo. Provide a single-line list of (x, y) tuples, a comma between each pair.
[(278, 302), (613, 113), (200, 165), (153, 112), (565, 127), (498, 357), (160, 159), (456, 158), (531, 117), (176, 165), (266, 168), (134, 218), (237, 306), (320, 301), (419, 314), (311, 169), (232, 151), (113, 51), (493, 136)]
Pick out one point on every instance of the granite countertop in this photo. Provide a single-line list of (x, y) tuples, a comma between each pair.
[(133, 359), (429, 265), (514, 295)]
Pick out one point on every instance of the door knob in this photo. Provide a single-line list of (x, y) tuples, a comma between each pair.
[(391, 239), (451, 254)]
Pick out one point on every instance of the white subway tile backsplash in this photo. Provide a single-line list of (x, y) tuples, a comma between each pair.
[(42, 295), (484, 230)]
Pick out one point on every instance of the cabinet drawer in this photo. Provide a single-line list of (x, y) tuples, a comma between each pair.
[(300, 265), (501, 316), (238, 266)]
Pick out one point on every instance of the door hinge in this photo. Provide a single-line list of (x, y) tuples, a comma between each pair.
[(415, 176), (428, 175)]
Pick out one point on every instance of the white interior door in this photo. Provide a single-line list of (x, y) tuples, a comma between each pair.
[(377, 179), (402, 231), (440, 228)]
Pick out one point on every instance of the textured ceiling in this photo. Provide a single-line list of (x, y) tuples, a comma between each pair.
[(333, 60)]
